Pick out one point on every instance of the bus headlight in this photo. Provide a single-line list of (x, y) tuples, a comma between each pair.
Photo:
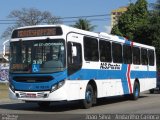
[(54, 87), (12, 87), (60, 84), (57, 86)]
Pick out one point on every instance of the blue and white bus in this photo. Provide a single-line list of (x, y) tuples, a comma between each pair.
[(60, 63)]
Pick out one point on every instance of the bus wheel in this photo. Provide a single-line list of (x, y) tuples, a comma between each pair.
[(89, 95), (136, 91), (151, 91), (43, 104)]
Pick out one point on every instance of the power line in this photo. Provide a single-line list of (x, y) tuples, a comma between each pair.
[(7, 20), (69, 21), (73, 17), (6, 23), (102, 19), (89, 16)]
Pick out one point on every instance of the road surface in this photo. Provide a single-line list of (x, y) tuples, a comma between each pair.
[(146, 104)]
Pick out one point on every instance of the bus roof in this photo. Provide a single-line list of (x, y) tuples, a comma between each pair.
[(67, 29)]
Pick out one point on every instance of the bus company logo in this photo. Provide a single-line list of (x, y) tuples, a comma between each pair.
[(110, 66)]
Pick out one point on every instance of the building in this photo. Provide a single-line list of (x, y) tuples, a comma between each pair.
[(116, 14)]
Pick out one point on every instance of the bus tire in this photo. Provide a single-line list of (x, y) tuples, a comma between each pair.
[(136, 91), (151, 91), (43, 104), (89, 96)]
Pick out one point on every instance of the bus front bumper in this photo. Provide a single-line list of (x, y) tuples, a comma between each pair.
[(58, 95)]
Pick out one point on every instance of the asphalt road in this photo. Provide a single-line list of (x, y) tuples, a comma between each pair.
[(146, 104)]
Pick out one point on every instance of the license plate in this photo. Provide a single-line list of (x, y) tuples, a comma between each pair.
[(31, 95)]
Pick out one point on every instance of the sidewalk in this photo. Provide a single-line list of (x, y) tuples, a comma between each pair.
[(4, 100), (4, 93)]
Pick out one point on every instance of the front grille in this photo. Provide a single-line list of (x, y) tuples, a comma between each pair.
[(33, 79)]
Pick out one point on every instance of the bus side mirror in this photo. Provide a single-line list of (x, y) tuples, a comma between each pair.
[(5, 51), (74, 51)]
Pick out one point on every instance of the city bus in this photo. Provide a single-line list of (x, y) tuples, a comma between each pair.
[(60, 63)]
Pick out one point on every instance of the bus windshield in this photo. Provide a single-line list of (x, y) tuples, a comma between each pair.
[(38, 56)]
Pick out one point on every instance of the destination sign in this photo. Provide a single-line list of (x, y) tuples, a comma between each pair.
[(36, 32)]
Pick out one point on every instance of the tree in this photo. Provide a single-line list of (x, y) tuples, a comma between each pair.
[(116, 30), (84, 24), (155, 36), (156, 6), (29, 17), (141, 25), (132, 19), (154, 29)]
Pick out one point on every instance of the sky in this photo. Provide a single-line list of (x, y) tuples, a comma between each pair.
[(66, 8)]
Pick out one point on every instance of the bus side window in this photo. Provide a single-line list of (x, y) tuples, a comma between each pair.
[(136, 56), (144, 57), (117, 52), (127, 54), (91, 49), (105, 51), (151, 57)]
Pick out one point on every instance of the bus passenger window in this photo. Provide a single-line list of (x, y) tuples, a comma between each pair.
[(105, 51), (144, 57), (91, 49), (136, 56), (117, 52), (127, 54), (151, 57)]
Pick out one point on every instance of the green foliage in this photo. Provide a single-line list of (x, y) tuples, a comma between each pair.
[(155, 35), (116, 30), (84, 24), (141, 25), (154, 30), (156, 6), (132, 19)]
